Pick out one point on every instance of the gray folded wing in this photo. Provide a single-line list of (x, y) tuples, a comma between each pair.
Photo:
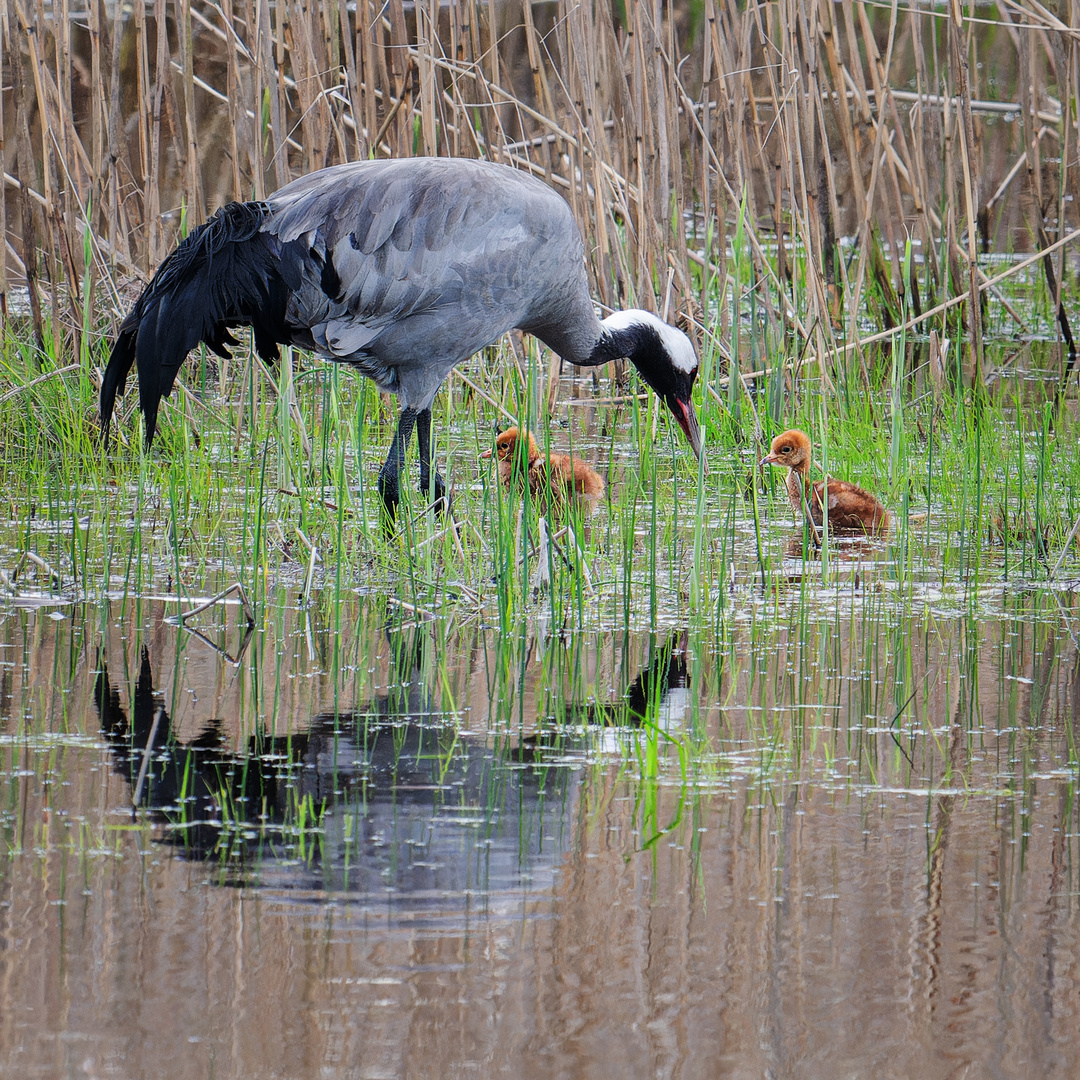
[(405, 268)]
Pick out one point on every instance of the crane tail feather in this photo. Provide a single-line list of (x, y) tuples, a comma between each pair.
[(226, 273), (114, 381)]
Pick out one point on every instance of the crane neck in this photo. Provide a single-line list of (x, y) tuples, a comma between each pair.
[(629, 335), (588, 342)]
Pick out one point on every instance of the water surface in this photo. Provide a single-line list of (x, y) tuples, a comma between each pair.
[(835, 838)]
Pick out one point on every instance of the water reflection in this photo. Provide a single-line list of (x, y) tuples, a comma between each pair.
[(656, 696), (393, 803), (466, 871), (390, 803)]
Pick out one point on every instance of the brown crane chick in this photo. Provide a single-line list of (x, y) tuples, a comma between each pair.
[(555, 480), (851, 510)]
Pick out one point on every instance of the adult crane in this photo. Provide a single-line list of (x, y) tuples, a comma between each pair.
[(402, 269)]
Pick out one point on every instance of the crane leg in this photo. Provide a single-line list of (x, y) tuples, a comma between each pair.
[(390, 473), (423, 436)]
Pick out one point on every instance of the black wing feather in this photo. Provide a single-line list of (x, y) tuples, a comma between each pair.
[(225, 274)]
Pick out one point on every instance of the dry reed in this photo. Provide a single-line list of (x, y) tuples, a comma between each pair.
[(658, 122)]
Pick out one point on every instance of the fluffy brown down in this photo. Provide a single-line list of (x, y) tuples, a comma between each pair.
[(851, 509), (554, 480)]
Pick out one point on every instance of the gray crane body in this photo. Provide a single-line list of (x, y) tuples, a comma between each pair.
[(431, 270), (402, 269)]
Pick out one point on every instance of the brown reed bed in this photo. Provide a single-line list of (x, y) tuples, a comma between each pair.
[(951, 129)]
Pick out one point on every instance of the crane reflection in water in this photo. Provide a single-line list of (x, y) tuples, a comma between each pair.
[(392, 803)]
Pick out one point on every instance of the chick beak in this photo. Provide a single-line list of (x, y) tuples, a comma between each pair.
[(486, 454), (770, 459)]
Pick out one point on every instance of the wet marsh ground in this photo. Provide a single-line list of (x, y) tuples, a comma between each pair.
[(713, 804)]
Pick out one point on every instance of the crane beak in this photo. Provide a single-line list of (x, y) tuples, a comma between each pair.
[(485, 454), (770, 459), (683, 411)]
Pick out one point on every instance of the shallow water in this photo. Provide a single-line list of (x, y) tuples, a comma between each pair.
[(836, 837)]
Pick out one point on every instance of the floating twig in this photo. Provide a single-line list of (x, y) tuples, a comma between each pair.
[(412, 609), (235, 587), (10, 581)]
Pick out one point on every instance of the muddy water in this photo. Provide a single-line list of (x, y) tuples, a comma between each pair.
[(827, 840)]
